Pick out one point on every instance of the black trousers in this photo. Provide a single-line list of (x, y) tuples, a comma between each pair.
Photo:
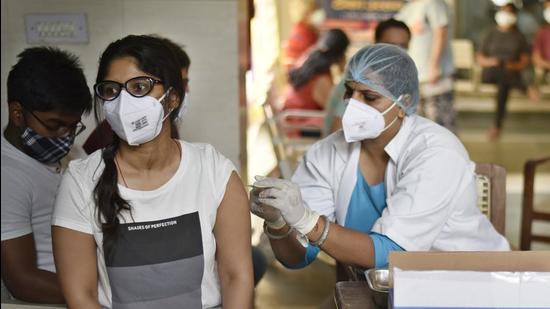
[(505, 80)]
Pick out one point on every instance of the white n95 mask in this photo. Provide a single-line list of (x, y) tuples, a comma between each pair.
[(135, 120), (361, 121), (505, 19)]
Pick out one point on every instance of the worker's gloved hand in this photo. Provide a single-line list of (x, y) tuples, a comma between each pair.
[(270, 214), (285, 196)]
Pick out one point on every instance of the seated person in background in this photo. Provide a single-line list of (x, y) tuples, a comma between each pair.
[(389, 181), (150, 221), (389, 31), (541, 43), (311, 83), (47, 95), (102, 136), (503, 54)]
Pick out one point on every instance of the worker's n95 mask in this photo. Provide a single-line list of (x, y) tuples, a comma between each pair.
[(505, 19), (361, 121), (135, 120)]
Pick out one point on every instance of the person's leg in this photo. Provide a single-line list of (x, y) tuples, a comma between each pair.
[(445, 111), (427, 109), (503, 91)]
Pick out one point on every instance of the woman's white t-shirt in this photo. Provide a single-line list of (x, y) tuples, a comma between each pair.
[(165, 251)]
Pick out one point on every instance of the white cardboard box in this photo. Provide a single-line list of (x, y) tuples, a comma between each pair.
[(518, 279), (470, 289)]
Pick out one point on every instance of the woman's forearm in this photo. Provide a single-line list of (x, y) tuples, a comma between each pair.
[(539, 61), (486, 61), (349, 246), (84, 300), (519, 65), (237, 291), (287, 250)]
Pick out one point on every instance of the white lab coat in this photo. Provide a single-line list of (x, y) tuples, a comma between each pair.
[(430, 188)]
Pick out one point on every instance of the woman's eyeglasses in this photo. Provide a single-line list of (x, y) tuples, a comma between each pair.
[(138, 87)]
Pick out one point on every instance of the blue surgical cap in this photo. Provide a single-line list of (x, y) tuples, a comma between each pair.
[(388, 70)]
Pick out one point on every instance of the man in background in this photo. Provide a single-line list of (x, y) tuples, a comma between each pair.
[(47, 95), (541, 47), (430, 48)]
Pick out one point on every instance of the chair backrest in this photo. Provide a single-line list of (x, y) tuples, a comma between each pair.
[(529, 213), (491, 191), (463, 53)]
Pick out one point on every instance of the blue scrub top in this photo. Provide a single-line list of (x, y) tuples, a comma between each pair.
[(365, 207)]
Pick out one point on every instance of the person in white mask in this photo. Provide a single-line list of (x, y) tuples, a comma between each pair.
[(150, 221), (503, 54), (102, 136), (389, 181), (541, 43)]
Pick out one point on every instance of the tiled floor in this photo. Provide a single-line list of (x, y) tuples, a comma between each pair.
[(526, 135)]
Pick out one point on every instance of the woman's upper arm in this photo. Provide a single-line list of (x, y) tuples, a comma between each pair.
[(322, 89), (76, 264), (232, 231)]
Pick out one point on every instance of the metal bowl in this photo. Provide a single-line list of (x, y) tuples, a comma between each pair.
[(378, 279)]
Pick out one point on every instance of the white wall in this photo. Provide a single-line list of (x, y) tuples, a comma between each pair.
[(208, 29)]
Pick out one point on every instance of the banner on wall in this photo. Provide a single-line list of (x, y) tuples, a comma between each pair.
[(361, 10)]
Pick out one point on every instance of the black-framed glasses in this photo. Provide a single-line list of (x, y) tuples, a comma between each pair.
[(61, 130), (138, 87)]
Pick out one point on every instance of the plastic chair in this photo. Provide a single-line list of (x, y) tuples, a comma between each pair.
[(529, 214), (542, 82), (464, 59), (287, 150)]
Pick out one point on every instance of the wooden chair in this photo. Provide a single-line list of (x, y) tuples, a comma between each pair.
[(491, 193), (528, 211)]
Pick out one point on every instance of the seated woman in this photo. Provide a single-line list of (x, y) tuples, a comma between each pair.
[(152, 221), (389, 181), (504, 53), (311, 83)]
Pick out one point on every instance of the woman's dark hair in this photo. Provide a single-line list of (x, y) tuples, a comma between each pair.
[(180, 54), (331, 49), (154, 57)]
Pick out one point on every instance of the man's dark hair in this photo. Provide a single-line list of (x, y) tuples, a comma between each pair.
[(511, 6), (387, 24), (47, 79), (177, 50)]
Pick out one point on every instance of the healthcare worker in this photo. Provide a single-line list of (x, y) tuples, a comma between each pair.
[(389, 181)]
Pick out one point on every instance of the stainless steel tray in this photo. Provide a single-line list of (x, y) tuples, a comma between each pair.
[(378, 279)]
